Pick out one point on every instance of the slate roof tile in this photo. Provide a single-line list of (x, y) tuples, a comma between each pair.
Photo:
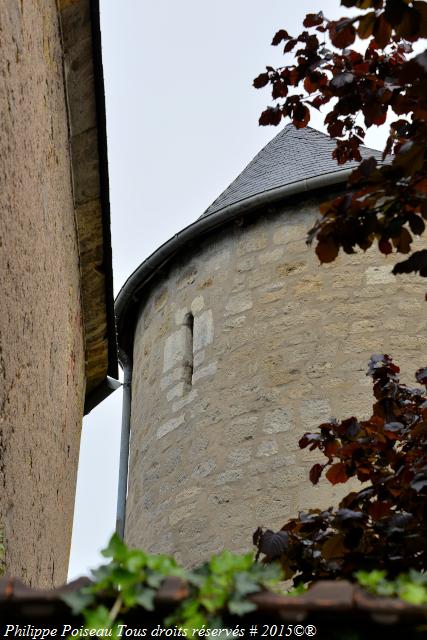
[(292, 155)]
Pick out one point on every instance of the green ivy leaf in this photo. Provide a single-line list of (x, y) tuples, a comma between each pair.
[(78, 600), (133, 578), (385, 588), (116, 549), (155, 580), (370, 579), (245, 583), (414, 594), (98, 618), (146, 599), (240, 607), (136, 560), (102, 577)]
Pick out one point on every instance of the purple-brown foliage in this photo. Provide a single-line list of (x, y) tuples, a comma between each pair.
[(382, 526), (388, 204)]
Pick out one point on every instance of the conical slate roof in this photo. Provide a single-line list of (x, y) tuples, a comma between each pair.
[(292, 155)]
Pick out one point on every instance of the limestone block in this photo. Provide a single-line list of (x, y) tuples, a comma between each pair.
[(197, 305), (179, 404), (208, 370), (236, 322), (180, 316), (290, 268), (308, 285), (161, 299), (313, 412), (172, 377), (217, 261), (231, 475), (179, 514), (289, 233), (187, 278), (242, 429), (203, 469), (246, 264), (278, 421), (277, 509), (187, 494), (221, 496), (259, 277), (239, 303), (237, 457), (203, 330), (267, 448), (199, 358), (380, 274), (272, 296), (253, 242), (270, 256), (176, 392), (169, 426), (177, 348)]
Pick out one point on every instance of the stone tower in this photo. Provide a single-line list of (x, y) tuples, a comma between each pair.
[(241, 342)]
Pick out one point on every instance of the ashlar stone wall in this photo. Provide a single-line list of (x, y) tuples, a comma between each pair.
[(244, 345)]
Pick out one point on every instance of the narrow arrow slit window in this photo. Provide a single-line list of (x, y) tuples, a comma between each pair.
[(189, 363)]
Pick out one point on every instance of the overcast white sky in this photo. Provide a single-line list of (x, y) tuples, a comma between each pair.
[(182, 123)]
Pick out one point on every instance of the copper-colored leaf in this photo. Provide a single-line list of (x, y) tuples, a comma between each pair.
[(301, 116), (342, 33), (327, 250), (402, 242), (366, 25), (289, 46), (382, 31), (271, 116), (379, 509), (316, 472), (313, 19), (384, 246), (261, 80), (337, 473), (333, 547), (421, 185), (280, 36)]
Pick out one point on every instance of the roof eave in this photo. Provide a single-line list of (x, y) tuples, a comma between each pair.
[(80, 26)]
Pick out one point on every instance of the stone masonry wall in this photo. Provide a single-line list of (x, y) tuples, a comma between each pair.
[(41, 335), (280, 344)]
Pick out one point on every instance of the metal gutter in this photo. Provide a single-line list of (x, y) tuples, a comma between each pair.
[(128, 299)]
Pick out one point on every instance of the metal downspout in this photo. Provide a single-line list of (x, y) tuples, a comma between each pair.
[(126, 363)]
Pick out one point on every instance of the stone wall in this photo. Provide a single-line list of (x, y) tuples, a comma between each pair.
[(278, 344), (41, 335)]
